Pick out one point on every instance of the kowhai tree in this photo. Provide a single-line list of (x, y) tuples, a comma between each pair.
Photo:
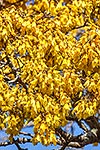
[(50, 70)]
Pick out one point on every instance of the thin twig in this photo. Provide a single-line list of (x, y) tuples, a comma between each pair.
[(27, 134), (18, 140)]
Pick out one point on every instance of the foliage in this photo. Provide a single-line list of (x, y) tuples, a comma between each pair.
[(49, 65)]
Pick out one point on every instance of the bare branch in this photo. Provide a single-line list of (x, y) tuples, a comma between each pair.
[(18, 146), (78, 141), (82, 125), (26, 134), (18, 140), (2, 64), (11, 81)]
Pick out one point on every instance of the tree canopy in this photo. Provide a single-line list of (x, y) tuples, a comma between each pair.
[(50, 69)]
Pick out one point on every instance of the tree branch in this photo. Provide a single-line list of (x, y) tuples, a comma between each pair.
[(15, 71), (77, 141), (18, 146), (18, 140), (26, 134), (5, 4), (2, 64)]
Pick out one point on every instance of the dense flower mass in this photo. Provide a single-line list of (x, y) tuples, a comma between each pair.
[(49, 64)]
